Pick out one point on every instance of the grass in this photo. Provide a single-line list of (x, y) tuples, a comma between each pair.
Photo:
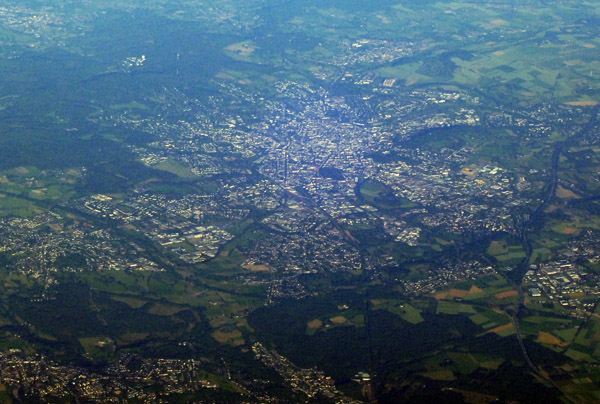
[(465, 363), (404, 310), (490, 320), (132, 302), (504, 252), (541, 254), (454, 308), (359, 320), (519, 65), (497, 248), (440, 374), (174, 167), (491, 280), (132, 337), (491, 364), (381, 196), (130, 106), (92, 344), (574, 227), (170, 188), (542, 320), (234, 337), (161, 309), (241, 50), (128, 283), (516, 255), (372, 189), (566, 334), (53, 192), (479, 319), (578, 356), (10, 206), (411, 314)]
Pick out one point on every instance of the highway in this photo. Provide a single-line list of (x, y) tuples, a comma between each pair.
[(518, 273)]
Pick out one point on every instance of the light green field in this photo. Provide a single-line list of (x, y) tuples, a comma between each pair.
[(454, 308), (174, 167), (164, 309), (132, 302), (406, 311), (10, 206), (440, 374), (132, 105), (579, 356)]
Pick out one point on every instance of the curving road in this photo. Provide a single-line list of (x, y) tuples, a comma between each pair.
[(519, 272)]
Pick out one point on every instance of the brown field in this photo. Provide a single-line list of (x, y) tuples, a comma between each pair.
[(502, 328), (234, 337), (253, 267), (547, 338), (583, 103), (499, 53), (451, 293), (498, 22), (474, 290), (338, 320), (508, 293), (564, 193), (458, 292), (589, 45), (570, 230), (316, 323)]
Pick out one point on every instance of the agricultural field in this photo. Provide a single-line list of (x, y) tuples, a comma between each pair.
[(278, 201)]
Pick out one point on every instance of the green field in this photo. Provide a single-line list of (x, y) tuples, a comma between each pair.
[(174, 167), (401, 308), (10, 206), (381, 196)]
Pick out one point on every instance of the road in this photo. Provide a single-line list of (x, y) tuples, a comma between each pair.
[(519, 272)]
